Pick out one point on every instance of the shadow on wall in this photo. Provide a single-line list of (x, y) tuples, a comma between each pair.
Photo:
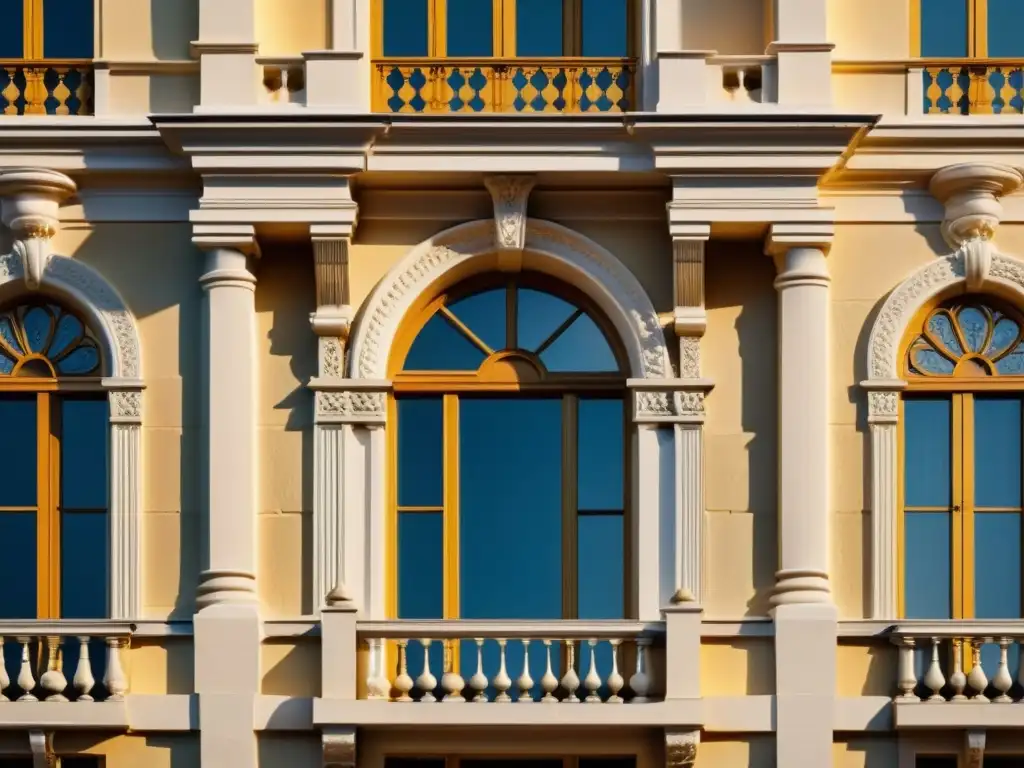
[(738, 279), (285, 290)]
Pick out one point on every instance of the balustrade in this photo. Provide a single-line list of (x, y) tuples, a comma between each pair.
[(504, 85), (46, 88), (62, 661), (564, 662), (966, 662), (284, 81), (974, 89)]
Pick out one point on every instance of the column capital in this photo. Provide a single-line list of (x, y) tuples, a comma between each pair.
[(883, 399), (236, 237), (669, 401), (350, 401), (784, 236)]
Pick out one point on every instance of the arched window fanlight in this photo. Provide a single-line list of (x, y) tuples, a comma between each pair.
[(968, 337), (45, 340)]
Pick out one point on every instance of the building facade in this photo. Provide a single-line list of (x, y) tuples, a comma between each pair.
[(662, 357)]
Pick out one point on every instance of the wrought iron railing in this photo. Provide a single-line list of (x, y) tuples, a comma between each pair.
[(433, 86), (974, 89), (46, 87)]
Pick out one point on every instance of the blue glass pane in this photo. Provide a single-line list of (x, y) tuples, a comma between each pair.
[(944, 28), (974, 326), (942, 328), (440, 346), (997, 452), (540, 315), (83, 565), (601, 463), (420, 454), (7, 332), (927, 565), (420, 565), (1005, 21), (18, 565), (997, 575), (68, 331), (600, 588), (1013, 363), (470, 28), (37, 323), (605, 27), (405, 27), (81, 361), (538, 28), (510, 479), (18, 422), (1004, 334), (927, 477), (12, 34), (83, 463), (67, 29), (582, 347), (484, 314), (927, 360)]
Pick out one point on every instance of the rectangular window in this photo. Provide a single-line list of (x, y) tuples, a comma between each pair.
[(539, 29), (605, 28), (406, 27), (944, 28), (470, 28), (1005, 22), (67, 29), (928, 554), (12, 31)]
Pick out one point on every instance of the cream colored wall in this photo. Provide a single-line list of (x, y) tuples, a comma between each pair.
[(140, 30), (143, 93), (725, 26), (866, 669), (291, 27), (865, 752), (290, 668), (740, 434), (150, 750), (287, 349), (737, 667), (751, 751), (164, 665), (871, 93), (869, 29), (156, 270), (866, 263)]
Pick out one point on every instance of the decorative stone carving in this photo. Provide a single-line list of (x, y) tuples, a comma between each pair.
[(350, 403), (679, 401), (31, 203), (681, 748), (689, 357), (617, 292), (339, 747), (126, 405), (331, 357), (510, 195), (883, 404)]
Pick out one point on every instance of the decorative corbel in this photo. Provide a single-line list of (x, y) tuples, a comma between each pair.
[(970, 192), (510, 195), (333, 317), (339, 747), (31, 204), (681, 748), (689, 316), (41, 745), (974, 748)]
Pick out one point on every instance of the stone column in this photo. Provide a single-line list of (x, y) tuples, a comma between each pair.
[(226, 49), (804, 54), (805, 616), (340, 76), (227, 626)]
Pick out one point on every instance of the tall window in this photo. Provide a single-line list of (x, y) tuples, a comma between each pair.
[(962, 445), (958, 29), (505, 28), (53, 502)]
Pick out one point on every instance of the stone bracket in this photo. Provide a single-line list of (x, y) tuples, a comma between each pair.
[(681, 748), (350, 401), (669, 401), (974, 749), (31, 205), (339, 747), (510, 195)]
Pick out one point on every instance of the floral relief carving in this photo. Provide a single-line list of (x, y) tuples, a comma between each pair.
[(689, 357), (391, 300), (332, 357), (665, 405), (689, 403), (126, 405), (350, 403), (883, 403)]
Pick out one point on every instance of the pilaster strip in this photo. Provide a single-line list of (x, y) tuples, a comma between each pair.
[(125, 502), (330, 258), (689, 272)]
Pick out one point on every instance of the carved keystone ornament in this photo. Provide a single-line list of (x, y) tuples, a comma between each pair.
[(31, 202)]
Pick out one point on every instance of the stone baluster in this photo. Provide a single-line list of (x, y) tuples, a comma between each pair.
[(52, 681), (26, 681), (958, 680), (977, 678), (1002, 681), (615, 681), (84, 680), (5, 680), (403, 683), (640, 682), (115, 680), (502, 682), (570, 680), (451, 680), (907, 677), (478, 682), (426, 682), (933, 679), (525, 682), (378, 684), (592, 682), (548, 682)]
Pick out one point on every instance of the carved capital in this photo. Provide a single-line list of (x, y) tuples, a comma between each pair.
[(681, 748), (31, 205), (510, 195), (669, 401), (971, 192), (350, 401), (126, 406), (883, 400)]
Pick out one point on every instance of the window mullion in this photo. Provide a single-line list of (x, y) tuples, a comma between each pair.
[(43, 515), (570, 504), (977, 24), (967, 504), (33, 29), (438, 24), (957, 511), (56, 429), (451, 506)]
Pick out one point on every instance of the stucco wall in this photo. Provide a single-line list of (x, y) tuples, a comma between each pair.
[(705, 27), (292, 27), (857, 33), (148, 29)]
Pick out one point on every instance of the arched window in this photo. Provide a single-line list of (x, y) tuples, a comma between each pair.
[(53, 501), (960, 527)]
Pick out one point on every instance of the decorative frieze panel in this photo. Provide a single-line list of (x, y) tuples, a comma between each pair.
[(350, 406), (669, 401)]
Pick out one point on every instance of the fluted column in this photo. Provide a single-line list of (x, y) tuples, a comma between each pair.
[(805, 616), (125, 497), (226, 629), (883, 417)]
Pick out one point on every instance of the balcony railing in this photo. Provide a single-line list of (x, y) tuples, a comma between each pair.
[(974, 89), (62, 661), (495, 661), (46, 87), (443, 86)]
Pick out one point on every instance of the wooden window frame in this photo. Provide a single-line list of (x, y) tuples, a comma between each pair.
[(450, 386), (503, 31), (977, 32), (960, 391)]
